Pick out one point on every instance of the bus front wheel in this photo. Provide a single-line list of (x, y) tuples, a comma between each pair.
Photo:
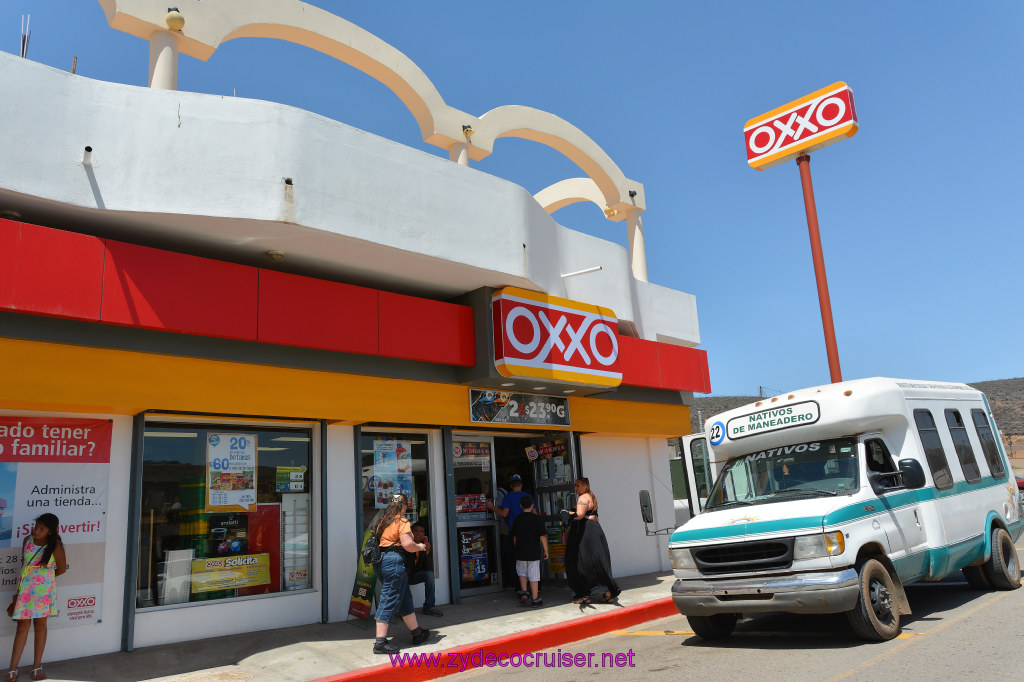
[(876, 616), (713, 627)]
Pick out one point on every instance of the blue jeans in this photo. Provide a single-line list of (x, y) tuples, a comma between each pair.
[(426, 576), (394, 588)]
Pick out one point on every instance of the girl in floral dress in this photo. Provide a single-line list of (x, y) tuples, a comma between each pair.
[(42, 560)]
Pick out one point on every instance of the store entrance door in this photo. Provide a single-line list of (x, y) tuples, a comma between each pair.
[(554, 470), (476, 531)]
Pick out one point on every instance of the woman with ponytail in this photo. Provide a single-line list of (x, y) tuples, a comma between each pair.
[(42, 560), (394, 534)]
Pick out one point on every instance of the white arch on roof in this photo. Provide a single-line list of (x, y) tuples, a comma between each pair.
[(209, 24), (567, 192)]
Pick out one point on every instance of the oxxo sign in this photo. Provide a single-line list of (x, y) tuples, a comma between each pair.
[(804, 125), (544, 337)]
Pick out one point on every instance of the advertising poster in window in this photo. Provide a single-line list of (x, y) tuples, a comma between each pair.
[(290, 479), (556, 550), (231, 572), (230, 472), (472, 459), (473, 555), (59, 466), (392, 470), (366, 583)]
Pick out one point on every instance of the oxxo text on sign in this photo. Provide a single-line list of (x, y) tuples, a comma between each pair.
[(812, 122), (545, 337)]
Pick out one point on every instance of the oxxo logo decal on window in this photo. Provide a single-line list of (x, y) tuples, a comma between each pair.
[(804, 125), (773, 419), (82, 602), (554, 338)]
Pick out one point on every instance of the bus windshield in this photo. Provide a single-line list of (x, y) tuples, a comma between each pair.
[(812, 469)]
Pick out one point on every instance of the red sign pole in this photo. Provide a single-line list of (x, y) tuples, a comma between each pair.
[(804, 163)]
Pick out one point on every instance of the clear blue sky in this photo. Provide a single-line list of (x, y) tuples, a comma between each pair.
[(920, 212)]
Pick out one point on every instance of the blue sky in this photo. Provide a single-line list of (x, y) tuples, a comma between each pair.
[(920, 212)]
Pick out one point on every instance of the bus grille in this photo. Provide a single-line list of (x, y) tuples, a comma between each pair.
[(739, 557)]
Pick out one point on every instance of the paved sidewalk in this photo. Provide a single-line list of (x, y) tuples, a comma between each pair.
[(312, 652)]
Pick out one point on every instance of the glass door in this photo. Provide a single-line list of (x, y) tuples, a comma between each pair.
[(555, 473), (476, 528)]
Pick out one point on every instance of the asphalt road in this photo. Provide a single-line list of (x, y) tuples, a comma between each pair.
[(954, 633)]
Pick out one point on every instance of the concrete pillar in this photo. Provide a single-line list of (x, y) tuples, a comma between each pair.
[(163, 60), (637, 250), (459, 153)]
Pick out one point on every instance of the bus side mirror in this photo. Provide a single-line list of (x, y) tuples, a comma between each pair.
[(912, 474), (646, 510)]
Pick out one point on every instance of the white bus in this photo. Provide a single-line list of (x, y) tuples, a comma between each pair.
[(831, 499)]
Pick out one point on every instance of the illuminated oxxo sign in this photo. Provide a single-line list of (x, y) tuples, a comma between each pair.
[(556, 339), (804, 125)]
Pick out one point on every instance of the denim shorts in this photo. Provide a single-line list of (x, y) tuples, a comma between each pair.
[(394, 590)]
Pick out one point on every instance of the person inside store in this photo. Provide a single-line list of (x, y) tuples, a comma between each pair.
[(422, 570), (588, 563), (394, 535), (508, 509), (42, 560), (530, 541)]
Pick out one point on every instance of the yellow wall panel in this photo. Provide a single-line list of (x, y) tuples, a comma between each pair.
[(58, 377)]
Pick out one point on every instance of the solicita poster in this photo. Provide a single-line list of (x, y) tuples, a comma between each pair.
[(230, 472), (59, 466), (392, 470)]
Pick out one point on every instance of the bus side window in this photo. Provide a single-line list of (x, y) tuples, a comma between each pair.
[(879, 459), (988, 444), (962, 444), (933, 450)]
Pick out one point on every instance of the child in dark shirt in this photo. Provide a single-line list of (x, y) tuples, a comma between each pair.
[(530, 545)]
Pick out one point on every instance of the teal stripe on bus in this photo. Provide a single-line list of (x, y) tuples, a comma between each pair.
[(847, 514)]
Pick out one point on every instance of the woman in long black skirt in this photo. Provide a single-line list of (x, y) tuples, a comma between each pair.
[(588, 563)]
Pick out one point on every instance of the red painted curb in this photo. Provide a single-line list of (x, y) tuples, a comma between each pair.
[(518, 642)]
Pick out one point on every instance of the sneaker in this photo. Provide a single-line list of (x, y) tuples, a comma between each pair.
[(536, 602), (420, 638), (523, 596), (430, 611), (385, 647)]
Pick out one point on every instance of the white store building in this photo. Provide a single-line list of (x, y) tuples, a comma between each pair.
[(255, 323)]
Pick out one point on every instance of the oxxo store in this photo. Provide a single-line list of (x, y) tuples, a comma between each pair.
[(216, 490)]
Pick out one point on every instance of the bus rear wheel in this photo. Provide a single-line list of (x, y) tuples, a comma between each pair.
[(1003, 568), (876, 616)]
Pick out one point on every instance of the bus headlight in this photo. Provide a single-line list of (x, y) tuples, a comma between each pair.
[(681, 558), (814, 546)]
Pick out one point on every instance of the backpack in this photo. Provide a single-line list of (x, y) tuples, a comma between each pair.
[(371, 550)]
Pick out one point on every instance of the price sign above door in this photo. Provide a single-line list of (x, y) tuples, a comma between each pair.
[(507, 407)]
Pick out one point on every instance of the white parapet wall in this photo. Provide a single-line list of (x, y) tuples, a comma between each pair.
[(246, 176)]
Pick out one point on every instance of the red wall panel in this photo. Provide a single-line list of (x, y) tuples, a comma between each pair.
[(10, 240), (639, 362), (144, 287), (50, 272), (414, 328), (684, 369), (314, 313)]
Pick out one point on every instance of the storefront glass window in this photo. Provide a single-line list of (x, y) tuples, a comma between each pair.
[(226, 512), (395, 463)]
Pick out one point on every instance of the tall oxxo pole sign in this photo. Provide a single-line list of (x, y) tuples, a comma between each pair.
[(792, 131)]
